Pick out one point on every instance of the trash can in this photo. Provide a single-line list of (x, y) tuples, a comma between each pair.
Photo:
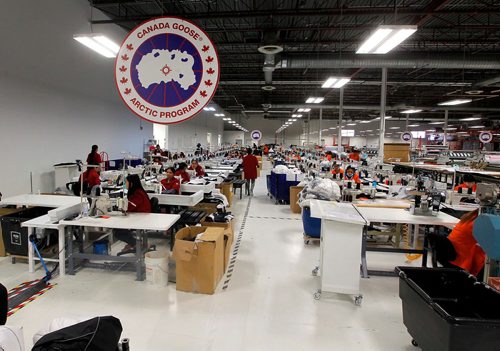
[(5, 211), (15, 238), (312, 226), (448, 309)]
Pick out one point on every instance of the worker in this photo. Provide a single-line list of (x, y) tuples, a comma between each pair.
[(181, 172), (138, 201), (464, 251), (351, 174), (94, 158), (170, 185), (91, 178), (266, 150), (337, 171), (195, 166), (329, 156), (157, 151), (354, 155), (469, 182), (250, 165)]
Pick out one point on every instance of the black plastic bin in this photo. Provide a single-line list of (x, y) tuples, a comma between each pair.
[(15, 238), (447, 309)]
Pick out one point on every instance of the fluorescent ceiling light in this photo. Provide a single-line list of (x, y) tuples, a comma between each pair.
[(476, 127), (219, 114), (226, 119), (351, 124), (430, 130), (436, 123), (294, 119), (332, 128), (99, 43), (386, 38), (306, 110), (298, 116), (470, 119), (314, 100), (394, 128), (411, 111), (450, 129), (319, 100), (413, 125), (369, 130), (364, 122), (462, 132), (455, 102), (310, 100), (336, 83)]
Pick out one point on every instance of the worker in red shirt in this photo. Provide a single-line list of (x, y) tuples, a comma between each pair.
[(181, 172), (460, 248), (351, 174), (138, 201), (94, 159), (170, 185), (195, 166), (250, 165), (468, 183)]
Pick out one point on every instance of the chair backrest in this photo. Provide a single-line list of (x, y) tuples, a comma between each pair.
[(155, 206)]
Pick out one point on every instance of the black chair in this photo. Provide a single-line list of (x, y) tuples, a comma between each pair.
[(4, 304), (155, 205)]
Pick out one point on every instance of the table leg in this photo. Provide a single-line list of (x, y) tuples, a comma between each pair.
[(364, 264), (31, 252), (69, 238), (424, 254), (138, 256), (398, 235), (62, 251)]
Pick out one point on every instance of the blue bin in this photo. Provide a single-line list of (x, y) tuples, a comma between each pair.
[(312, 226), (101, 247)]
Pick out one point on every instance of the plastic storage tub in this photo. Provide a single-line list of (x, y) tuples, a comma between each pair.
[(447, 309), (312, 226)]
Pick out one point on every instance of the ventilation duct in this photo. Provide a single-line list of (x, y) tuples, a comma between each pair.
[(269, 48)]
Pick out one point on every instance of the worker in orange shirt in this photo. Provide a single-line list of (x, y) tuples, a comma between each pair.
[(354, 155), (468, 183), (337, 171), (351, 174)]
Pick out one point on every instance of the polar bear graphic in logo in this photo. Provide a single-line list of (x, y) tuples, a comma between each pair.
[(167, 70), (165, 76)]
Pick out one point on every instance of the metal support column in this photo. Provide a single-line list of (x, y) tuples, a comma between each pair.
[(320, 126), (308, 127), (341, 112), (383, 93), (445, 136)]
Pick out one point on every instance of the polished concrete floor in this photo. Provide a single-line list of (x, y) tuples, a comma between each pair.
[(268, 303)]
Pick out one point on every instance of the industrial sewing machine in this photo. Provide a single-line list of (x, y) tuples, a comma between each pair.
[(462, 196), (427, 198)]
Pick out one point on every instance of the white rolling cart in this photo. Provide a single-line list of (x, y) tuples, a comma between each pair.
[(340, 248)]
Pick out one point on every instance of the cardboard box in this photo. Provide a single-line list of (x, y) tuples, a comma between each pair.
[(205, 206), (294, 197), (226, 226), (227, 190), (228, 244), (199, 265)]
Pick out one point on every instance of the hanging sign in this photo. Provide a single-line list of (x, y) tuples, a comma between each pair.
[(167, 70), (406, 136), (256, 135), (485, 137)]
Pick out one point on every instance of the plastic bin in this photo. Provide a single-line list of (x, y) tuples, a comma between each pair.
[(447, 309), (312, 226), (15, 238)]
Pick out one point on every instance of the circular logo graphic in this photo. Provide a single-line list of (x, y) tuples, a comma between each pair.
[(167, 70), (406, 136), (485, 137), (256, 135)]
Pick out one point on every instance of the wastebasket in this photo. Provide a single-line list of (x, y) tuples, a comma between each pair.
[(447, 309), (4, 211), (15, 238)]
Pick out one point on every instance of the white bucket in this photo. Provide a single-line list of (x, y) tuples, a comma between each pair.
[(156, 268)]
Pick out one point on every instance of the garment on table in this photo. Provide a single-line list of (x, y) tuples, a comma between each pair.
[(171, 184), (250, 165), (184, 176), (470, 256)]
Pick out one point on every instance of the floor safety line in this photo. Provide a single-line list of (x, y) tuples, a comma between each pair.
[(237, 244), (25, 293), (285, 218)]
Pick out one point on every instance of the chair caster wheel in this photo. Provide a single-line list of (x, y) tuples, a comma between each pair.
[(317, 295), (358, 300), (414, 343)]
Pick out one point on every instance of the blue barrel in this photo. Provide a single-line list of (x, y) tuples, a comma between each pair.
[(312, 226)]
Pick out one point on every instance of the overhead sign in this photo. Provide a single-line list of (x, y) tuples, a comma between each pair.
[(485, 137), (406, 136), (256, 135), (167, 70)]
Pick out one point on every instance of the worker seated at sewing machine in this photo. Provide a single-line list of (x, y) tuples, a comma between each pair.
[(337, 171), (468, 186), (170, 185), (197, 168), (182, 172), (460, 249), (351, 174)]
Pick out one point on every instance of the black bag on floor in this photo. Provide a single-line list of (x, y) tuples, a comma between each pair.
[(96, 334)]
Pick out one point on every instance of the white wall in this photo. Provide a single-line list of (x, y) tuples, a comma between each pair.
[(230, 136), (184, 136)]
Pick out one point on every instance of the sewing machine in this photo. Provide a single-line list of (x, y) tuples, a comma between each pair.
[(461, 196)]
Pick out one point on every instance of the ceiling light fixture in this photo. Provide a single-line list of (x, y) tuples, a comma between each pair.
[(394, 128), (455, 102), (413, 125), (476, 127), (336, 83), (436, 122), (470, 119), (386, 38), (314, 100), (99, 43), (411, 111)]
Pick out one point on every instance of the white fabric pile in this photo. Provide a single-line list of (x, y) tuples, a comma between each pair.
[(321, 189), (280, 169)]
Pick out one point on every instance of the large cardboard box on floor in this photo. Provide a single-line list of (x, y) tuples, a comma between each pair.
[(199, 264), (294, 197), (227, 190), (228, 237)]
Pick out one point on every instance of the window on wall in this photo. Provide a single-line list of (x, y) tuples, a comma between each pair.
[(219, 140), (418, 135), (347, 132)]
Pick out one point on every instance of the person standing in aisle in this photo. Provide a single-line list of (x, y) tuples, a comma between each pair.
[(138, 201), (250, 165), (170, 185), (94, 158)]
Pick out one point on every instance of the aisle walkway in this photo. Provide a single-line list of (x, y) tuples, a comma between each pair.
[(268, 303)]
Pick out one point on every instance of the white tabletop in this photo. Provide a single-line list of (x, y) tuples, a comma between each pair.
[(336, 211), (394, 215), (40, 200), (41, 222), (179, 200), (138, 221), (191, 188)]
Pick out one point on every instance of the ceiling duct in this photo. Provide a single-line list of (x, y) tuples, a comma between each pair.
[(269, 48), (414, 60)]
